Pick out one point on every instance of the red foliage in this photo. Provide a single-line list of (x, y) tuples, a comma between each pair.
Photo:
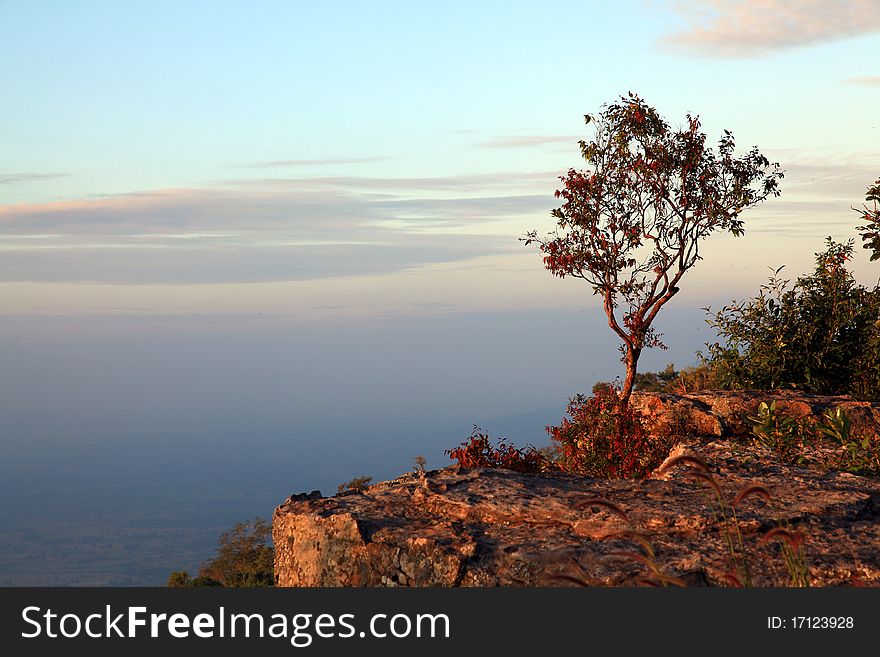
[(603, 437), (630, 225), (606, 438), (477, 452)]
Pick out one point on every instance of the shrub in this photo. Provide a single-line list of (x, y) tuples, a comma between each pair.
[(689, 379), (859, 454), (821, 335), (357, 485), (795, 440), (779, 433), (477, 452), (179, 579), (603, 437), (244, 559), (694, 379), (244, 556), (656, 381)]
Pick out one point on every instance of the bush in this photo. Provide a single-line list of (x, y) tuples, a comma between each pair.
[(681, 382), (694, 379), (603, 437), (244, 559), (656, 381), (179, 579), (821, 335), (779, 433), (357, 485), (244, 556), (828, 443), (478, 452)]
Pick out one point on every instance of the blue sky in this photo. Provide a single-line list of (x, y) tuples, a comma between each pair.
[(233, 157)]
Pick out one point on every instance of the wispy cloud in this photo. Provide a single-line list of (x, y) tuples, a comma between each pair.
[(755, 28), (273, 233), (838, 179), (870, 80), (466, 183), (28, 176), (818, 193), (528, 141), (310, 163), (235, 263), (282, 229)]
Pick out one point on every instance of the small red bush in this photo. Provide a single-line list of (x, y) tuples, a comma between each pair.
[(477, 452), (605, 438)]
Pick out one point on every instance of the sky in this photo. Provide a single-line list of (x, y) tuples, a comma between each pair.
[(353, 158), (255, 248)]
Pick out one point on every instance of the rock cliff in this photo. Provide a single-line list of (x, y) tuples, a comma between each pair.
[(479, 527)]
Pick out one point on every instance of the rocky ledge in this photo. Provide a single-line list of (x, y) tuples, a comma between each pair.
[(479, 527), (726, 413)]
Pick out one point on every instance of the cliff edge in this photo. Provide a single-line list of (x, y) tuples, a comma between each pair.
[(482, 527)]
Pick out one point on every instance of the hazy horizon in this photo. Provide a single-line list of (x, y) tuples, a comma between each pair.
[(129, 424)]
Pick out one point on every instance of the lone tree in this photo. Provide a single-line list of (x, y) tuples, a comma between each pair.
[(631, 224)]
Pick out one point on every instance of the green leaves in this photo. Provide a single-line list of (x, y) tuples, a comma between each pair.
[(245, 558), (836, 425), (779, 433), (821, 334), (871, 232)]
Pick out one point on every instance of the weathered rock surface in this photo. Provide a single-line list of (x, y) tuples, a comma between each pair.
[(479, 527), (725, 413)]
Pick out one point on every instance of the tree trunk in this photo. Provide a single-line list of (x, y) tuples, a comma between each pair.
[(632, 361)]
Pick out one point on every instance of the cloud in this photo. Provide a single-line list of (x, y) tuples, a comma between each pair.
[(318, 162), (836, 178), (527, 141), (235, 263), (866, 80), (755, 28), (310, 228), (28, 176), (273, 233), (818, 193), (184, 211), (458, 183)]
